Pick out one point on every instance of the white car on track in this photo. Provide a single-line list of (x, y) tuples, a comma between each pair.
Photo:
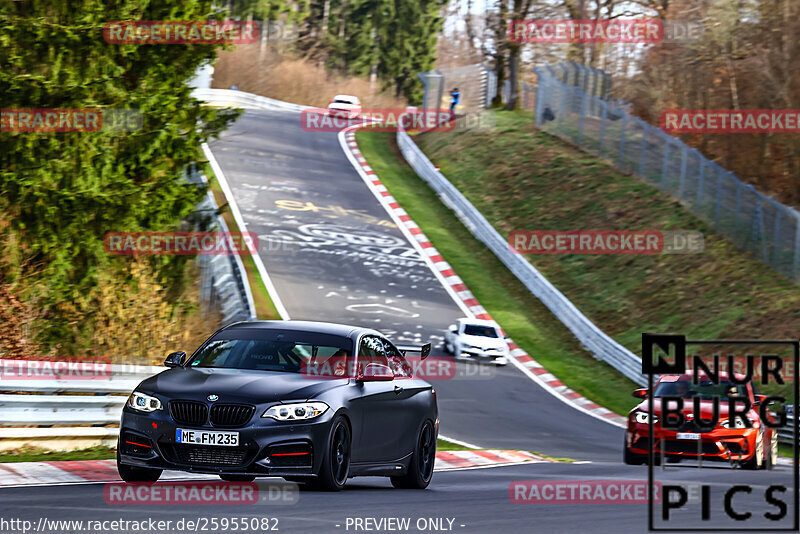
[(345, 106), (477, 339)]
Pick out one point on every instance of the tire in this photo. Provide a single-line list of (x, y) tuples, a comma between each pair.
[(237, 478), (420, 469), (448, 348), (758, 459), (772, 453), (130, 473), (335, 466), (631, 458)]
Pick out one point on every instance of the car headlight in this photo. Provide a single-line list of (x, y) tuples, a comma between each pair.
[(738, 424), (143, 403), (297, 411), (644, 417)]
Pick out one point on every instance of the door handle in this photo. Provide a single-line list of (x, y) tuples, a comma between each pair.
[(397, 390)]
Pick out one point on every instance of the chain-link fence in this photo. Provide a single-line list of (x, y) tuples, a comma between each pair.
[(754, 221), (478, 87)]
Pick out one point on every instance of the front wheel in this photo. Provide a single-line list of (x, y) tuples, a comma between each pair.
[(631, 458), (130, 473), (336, 461), (757, 461), (420, 470)]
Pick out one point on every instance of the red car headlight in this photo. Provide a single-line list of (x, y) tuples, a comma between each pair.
[(738, 424), (644, 417)]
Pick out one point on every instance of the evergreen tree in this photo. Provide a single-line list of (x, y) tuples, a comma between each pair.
[(64, 191)]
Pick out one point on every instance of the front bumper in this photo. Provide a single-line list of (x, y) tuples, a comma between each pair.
[(266, 447), (497, 358), (720, 444), (344, 113)]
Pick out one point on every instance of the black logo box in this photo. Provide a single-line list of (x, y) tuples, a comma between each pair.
[(676, 344)]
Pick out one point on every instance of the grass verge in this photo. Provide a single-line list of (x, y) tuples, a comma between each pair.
[(521, 315), (38, 454)]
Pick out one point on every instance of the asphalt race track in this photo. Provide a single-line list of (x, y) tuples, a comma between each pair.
[(477, 499), (333, 254)]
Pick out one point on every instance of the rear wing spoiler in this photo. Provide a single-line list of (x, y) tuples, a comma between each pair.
[(424, 350)]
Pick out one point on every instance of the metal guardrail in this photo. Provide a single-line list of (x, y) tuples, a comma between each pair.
[(92, 398), (245, 100), (591, 337), (16, 410), (223, 280), (786, 433)]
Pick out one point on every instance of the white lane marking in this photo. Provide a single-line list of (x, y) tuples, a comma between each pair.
[(237, 215), (555, 394), (36, 473), (459, 442)]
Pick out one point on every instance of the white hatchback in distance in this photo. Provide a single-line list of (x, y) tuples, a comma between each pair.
[(345, 106), (477, 339)]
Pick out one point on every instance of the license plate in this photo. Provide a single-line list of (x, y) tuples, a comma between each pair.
[(205, 437), (688, 435)]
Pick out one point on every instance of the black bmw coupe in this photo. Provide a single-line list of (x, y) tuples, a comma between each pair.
[(307, 401)]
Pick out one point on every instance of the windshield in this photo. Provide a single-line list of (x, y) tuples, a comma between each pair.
[(342, 101), (705, 389), (288, 356), (479, 330)]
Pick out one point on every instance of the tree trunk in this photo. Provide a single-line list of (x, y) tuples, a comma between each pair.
[(514, 50)]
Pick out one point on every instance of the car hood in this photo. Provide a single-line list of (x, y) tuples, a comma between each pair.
[(706, 408), (236, 385), (484, 342)]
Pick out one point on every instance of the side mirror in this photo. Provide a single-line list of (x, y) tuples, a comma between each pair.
[(377, 372), (759, 399), (453, 328), (640, 393), (175, 359)]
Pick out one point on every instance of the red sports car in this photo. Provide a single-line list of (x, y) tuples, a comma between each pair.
[(752, 446)]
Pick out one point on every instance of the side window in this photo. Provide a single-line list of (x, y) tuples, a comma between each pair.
[(400, 366), (371, 351)]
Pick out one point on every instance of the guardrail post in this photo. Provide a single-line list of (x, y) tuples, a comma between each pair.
[(665, 164), (700, 182), (684, 158), (776, 232), (620, 159), (718, 202), (581, 119), (604, 112), (643, 147), (796, 259)]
